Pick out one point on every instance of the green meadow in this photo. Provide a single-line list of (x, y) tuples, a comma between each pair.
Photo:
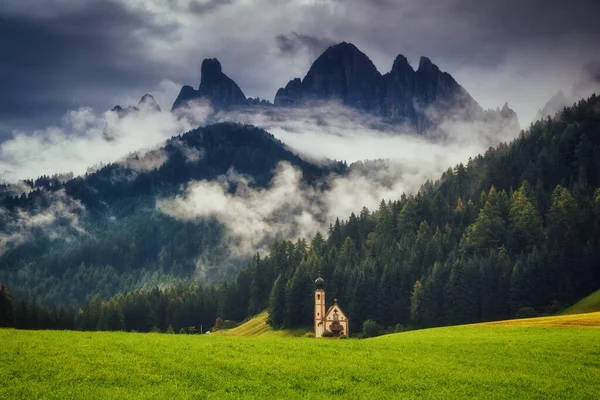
[(485, 362)]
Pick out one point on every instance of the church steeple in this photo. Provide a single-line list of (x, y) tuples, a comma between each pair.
[(319, 282), (319, 306)]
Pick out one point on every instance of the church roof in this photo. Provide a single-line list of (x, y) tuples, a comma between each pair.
[(339, 310)]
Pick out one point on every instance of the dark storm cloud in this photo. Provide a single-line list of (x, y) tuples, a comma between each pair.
[(474, 31), (293, 42), (71, 57), (57, 55)]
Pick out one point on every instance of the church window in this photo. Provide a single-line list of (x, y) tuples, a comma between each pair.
[(318, 297)]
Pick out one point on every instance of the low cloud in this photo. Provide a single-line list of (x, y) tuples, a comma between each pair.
[(586, 84), (289, 209), (59, 217), (253, 216), (87, 139), (332, 131)]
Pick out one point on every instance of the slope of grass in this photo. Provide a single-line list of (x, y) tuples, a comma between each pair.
[(588, 304), (258, 326), (487, 362), (589, 320)]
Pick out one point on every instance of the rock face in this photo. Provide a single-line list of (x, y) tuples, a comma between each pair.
[(215, 87), (421, 99), (399, 92), (418, 98), (343, 72), (146, 103)]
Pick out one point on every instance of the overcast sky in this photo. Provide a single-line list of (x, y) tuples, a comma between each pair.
[(60, 55)]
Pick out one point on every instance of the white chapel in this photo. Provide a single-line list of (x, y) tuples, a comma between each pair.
[(333, 320)]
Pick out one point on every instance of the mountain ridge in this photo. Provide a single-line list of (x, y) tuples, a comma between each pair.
[(421, 99)]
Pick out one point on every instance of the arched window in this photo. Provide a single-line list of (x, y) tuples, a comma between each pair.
[(318, 297)]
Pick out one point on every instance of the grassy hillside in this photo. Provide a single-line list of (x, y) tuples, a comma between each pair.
[(588, 304), (588, 320), (258, 326), (457, 362)]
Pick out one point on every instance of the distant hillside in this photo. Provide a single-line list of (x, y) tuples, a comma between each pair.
[(103, 233), (258, 326), (588, 304), (587, 320)]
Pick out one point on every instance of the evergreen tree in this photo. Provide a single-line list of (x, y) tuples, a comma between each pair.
[(7, 308), (277, 312)]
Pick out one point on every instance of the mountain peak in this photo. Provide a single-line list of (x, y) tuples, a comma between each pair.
[(425, 64), (215, 86), (211, 67), (343, 47), (401, 64), (149, 103), (346, 74)]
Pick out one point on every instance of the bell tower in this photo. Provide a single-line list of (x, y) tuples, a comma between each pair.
[(319, 306)]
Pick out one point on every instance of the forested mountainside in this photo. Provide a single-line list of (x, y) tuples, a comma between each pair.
[(517, 228), (102, 232)]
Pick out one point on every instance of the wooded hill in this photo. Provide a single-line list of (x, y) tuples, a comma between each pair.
[(109, 236), (516, 230)]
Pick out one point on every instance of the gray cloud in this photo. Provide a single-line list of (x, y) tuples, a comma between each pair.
[(203, 7), (72, 56), (294, 42), (59, 55), (59, 219)]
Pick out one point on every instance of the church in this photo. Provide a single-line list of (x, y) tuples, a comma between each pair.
[(333, 320)]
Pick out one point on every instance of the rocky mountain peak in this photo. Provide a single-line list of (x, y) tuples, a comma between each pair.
[(421, 99), (210, 69), (215, 86), (425, 65), (341, 73), (401, 65), (147, 102)]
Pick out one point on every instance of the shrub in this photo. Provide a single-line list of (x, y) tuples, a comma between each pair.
[(554, 308), (327, 334), (400, 328), (342, 336), (191, 329), (155, 329), (170, 330), (182, 331), (526, 312), (371, 328), (309, 334)]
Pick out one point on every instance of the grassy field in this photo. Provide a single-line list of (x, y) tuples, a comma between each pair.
[(485, 362), (258, 326), (588, 304)]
